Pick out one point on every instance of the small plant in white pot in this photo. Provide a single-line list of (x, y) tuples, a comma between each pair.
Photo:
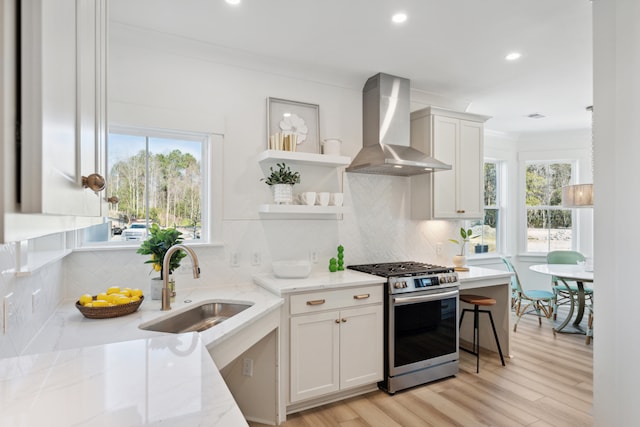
[(466, 234), (282, 181)]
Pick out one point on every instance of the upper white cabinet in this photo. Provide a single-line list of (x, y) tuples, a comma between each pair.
[(456, 139), (63, 105)]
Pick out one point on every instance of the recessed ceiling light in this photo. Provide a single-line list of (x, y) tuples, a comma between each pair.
[(536, 116), (513, 56), (233, 2), (399, 18)]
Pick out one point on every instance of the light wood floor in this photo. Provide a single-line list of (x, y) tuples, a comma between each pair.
[(547, 382)]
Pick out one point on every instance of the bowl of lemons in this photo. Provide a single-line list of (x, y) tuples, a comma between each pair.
[(115, 302)]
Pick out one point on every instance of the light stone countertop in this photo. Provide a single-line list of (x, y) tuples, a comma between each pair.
[(108, 372), (317, 281)]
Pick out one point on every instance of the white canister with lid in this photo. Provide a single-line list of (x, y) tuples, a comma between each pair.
[(331, 146)]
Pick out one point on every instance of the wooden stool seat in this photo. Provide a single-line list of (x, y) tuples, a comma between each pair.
[(477, 300)]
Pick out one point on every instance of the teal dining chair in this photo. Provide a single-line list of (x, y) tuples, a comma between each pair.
[(564, 295), (539, 301)]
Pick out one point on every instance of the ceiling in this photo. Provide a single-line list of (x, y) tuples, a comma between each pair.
[(451, 50)]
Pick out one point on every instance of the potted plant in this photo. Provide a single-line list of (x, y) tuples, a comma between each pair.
[(282, 181), (157, 245), (466, 234)]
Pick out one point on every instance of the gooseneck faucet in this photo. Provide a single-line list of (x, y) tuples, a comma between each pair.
[(166, 292)]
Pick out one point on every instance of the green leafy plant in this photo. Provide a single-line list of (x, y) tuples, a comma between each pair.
[(157, 245), (466, 235), (284, 175)]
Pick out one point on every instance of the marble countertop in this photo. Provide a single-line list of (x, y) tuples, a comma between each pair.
[(169, 380), (480, 277), (317, 281), (108, 372)]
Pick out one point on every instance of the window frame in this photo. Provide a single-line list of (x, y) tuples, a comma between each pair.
[(572, 157), (500, 207), (211, 190)]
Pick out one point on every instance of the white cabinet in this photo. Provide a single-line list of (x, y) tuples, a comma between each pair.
[(336, 341), (313, 168), (63, 99), (456, 139)]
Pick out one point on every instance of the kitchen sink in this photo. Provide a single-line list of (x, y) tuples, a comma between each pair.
[(196, 319)]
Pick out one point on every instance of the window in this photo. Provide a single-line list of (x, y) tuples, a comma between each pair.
[(158, 177), (549, 226), (488, 229)]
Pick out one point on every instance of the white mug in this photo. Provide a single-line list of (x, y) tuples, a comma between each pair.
[(323, 198), (337, 199), (308, 198)]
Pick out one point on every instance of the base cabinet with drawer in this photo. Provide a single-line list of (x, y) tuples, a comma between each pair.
[(336, 341)]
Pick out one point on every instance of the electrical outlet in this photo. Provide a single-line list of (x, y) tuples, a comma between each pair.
[(313, 255), (235, 259), (7, 306), (439, 248), (35, 301), (256, 259), (247, 367)]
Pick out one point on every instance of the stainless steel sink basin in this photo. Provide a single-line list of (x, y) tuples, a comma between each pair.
[(197, 319)]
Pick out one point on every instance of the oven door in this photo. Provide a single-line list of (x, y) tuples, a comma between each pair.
[(423, 330)]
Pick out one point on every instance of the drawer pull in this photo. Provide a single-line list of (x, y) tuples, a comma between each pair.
[(315, 302), (361, 296), (460, 211)]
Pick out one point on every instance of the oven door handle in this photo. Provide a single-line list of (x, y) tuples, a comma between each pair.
[(425, 298)]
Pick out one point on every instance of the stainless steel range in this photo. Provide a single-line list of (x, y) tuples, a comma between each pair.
[(421, 327)]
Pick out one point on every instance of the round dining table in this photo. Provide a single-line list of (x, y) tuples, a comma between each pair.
[(566, 273)]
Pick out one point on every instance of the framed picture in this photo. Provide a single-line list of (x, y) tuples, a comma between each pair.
[(293, 126)]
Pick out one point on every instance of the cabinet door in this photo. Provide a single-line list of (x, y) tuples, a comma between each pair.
[(361, 352), (60, 105), (445, 142), (315, 357), (470, 183)]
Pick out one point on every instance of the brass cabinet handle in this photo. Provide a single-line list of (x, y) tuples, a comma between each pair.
[(361, 296), (344, 320), (337, 320), (94, 181), (315, 302), (460, 211)]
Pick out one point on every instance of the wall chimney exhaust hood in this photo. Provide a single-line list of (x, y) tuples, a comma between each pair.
[(386, 131)]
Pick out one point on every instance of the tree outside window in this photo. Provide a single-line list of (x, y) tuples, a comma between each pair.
[(157, 180), (549, 226)]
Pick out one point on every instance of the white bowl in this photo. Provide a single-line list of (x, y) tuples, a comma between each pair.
[(291, 269)]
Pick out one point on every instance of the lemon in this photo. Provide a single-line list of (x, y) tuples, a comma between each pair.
[(136, 292), (122, 300), (126, 292), (112, 298), (102, 295), (100, 303), (135, 298), (113, 290), (86, 299), (89, 304)]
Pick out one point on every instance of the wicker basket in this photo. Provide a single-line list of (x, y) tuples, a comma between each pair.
[(108, 312)]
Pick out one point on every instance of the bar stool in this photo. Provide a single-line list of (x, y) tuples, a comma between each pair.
[(477, 301)]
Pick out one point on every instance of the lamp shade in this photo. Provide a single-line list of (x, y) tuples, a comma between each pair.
[(577, 196)]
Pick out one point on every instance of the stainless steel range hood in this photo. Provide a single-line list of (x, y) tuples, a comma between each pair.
[(386, 131)]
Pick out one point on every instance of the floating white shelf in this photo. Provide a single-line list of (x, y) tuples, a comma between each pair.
[(301, 211), (295, 157)]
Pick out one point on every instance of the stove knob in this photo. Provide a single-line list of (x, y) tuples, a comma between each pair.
[(397, 285), (404, 284)]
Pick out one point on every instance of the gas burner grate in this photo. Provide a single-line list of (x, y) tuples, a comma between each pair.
[(408, 268)]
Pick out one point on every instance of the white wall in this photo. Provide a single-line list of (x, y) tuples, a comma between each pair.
[(616, 132)]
